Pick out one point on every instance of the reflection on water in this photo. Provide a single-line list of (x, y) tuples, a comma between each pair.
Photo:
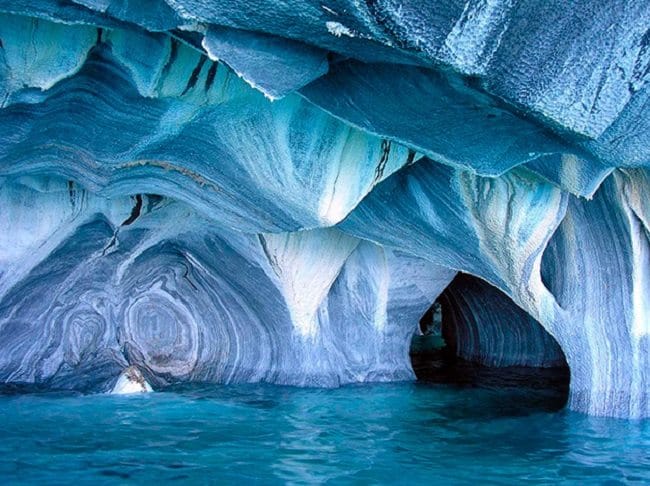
[(520, 389)]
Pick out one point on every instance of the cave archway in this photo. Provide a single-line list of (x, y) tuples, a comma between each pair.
[(474, 334)]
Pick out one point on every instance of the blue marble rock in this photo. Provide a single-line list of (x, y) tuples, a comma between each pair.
[(244, 191), (274, 65), (484, 326), (146, 281)]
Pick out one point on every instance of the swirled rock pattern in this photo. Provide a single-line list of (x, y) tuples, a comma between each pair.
[(245, 191), (484, 326), (606, 345), (146, 281)]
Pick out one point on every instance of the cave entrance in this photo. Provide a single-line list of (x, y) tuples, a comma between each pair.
[(475, 335)]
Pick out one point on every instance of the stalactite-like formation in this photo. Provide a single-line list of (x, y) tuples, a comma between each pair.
[(250, 191), (146, 281)]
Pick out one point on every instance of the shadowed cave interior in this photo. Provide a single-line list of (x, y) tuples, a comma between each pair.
[(473, 335)]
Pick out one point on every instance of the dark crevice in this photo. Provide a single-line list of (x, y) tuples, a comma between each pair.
[(173, 54), (194, 76), (383, 160), (135, 212), (212, 73), (72, 193), (410, 159), (435, 359)]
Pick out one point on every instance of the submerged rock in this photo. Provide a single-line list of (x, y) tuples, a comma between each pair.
[(130, 381)]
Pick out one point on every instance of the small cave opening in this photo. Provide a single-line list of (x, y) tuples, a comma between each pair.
[(475, 336)]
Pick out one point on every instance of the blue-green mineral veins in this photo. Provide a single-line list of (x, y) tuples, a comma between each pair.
[(245, 190)]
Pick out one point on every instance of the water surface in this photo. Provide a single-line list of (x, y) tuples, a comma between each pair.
[(379, 433)]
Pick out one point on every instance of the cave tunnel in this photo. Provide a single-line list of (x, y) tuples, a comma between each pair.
[(474, 335)]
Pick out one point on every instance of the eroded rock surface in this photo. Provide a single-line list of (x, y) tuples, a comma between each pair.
[(247, 191)]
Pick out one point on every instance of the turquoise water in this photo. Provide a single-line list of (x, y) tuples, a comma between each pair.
[(380, 433)]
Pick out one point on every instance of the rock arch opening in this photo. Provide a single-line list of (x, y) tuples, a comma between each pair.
[(475, 335)]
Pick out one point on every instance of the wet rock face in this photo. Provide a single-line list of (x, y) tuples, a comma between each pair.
[(242, 191)]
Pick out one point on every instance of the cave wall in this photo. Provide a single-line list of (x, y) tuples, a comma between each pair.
[(147, 281), (244, 191), (482, 325), (603, 322)]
